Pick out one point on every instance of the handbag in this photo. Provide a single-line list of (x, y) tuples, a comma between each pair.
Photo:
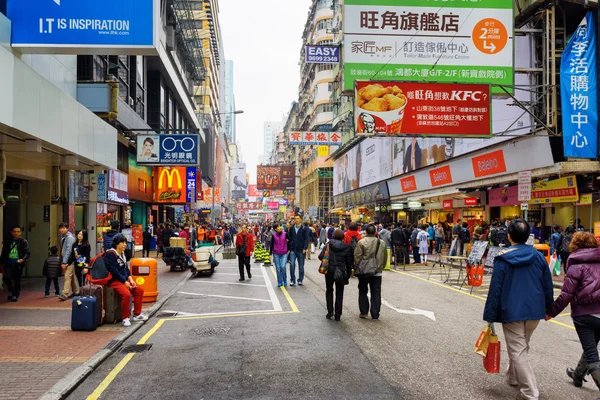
[(241, 250), (324, 262), (491, 362), (483, 341), (367, 268)]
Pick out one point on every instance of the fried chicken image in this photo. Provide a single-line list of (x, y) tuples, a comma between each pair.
[(377, 105), (394, 102), (373, 91)]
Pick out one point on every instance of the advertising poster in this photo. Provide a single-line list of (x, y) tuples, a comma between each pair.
[(275, 177), (401, 108), (252, 191), (117, 187), (561, 190), (314, 54), (170, 184), (239, 186), (467, 41), (167, 149)]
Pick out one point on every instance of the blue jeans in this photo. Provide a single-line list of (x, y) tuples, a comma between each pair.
[(293, 256), (280, 260), (438, 244)]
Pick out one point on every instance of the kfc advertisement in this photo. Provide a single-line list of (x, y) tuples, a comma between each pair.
[(418, 108)]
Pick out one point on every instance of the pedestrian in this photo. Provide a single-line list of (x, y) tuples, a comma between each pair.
[(268, 239), (538, 233), (499, 235), (312, 236), (15, 253), (431, 233), (108, 236), (580, 290), (323, 235), (465, 239), (185, 234), (565, 245), (52, 271), (159, 240), (439, 237), (244, 247), (386, 236), (146, 239), (279, 251), (555, 239), (81, 255), (456, 237), (67, 240), (330, 231), (122, 281), (340, 258), (578, 226), (352, 236), (298, 242), (370, 247), (423, 243), (166, 236), (202, 234), (194, 236), (415, 245), (519, 295)]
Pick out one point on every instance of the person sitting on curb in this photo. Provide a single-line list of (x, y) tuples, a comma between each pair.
[(122, 282)]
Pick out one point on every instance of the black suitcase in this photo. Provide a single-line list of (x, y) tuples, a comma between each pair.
[(98, 292), (112, 306)]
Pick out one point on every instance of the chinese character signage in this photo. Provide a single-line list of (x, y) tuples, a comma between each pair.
[(578, 89), (275, 177), (561, 190), (367, 195), (316, 138), (191, 185), (169, 185), (251, 206), (101, 188), (167, 149), (321, 54), (117, 187), (524, 186), (421, 40), (407, 108)]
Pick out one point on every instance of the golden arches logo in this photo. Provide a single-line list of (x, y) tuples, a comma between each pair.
[(170, 175)]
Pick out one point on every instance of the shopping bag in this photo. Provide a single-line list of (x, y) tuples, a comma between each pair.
[(552, 262), (491, 362), (557, 268), (483, 341), (324, 262), (312, 248)]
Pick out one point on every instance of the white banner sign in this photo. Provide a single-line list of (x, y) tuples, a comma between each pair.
[(316, 138), (524, 185)]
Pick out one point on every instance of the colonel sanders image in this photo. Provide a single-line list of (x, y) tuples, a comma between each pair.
[(368, 122)]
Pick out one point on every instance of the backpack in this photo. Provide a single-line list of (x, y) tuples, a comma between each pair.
[(465, 236), (353, 243), (566, 242), (501, 237), (99, 274)]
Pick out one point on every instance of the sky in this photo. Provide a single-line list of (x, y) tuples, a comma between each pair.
[(263, 39)]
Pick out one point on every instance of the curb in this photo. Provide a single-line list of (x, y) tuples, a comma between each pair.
[(69, 383)]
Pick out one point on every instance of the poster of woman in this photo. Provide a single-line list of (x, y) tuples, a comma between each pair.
[(148, 149)]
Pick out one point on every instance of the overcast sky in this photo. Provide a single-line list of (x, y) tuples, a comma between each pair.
[(263, 39)]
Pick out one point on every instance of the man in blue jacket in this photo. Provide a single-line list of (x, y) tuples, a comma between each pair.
[(519, 294), (298, 244)]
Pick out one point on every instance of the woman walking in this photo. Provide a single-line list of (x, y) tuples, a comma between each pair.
[(81, 254), (580, 289), (340, 258), (279, 251)]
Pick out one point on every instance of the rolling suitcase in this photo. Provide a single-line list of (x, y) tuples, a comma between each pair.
[(112, 306), (84, 313), (98, 292)]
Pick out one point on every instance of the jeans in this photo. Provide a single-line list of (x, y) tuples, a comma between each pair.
[(416, 255), (438, 244), (517, 336), (300, 257), (56, 289), (339, 294), (125, 294), (12, 277), (374, 283), (244, 261), (280, 260), (588, 330)]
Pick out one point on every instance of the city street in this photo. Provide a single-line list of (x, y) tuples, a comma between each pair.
[(218, 338)]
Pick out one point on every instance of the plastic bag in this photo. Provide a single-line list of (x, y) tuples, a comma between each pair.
[(491, 362), (557, 268), (483, 341), (552, 262)]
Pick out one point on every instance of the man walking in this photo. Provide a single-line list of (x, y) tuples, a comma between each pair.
[(194, 235), (67, 240), (244, 247), (15, 253), (519, 294), (456, 235), (297, 244), (368, 248), (399, 244)]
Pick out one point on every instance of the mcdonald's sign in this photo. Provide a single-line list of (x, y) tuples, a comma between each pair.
[(170, 184)]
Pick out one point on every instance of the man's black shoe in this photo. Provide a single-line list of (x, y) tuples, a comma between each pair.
[(14, 299), (249, 275), (242, 279)]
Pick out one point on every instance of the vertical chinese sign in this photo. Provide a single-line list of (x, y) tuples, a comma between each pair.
[(578, 86)]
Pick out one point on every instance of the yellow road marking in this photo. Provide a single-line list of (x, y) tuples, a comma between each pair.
[(286, 293), (564, 315), (151, 332), (230, 315), (467, 294)]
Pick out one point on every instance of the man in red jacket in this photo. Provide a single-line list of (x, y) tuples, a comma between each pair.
[(244, 245)]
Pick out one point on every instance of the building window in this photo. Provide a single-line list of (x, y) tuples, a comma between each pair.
[(324, 4), (323, 24), (171, 112), (322, 108), (324, 67), (163, 104), (123, 74), (330, 86), (138, 87), (142, 186)]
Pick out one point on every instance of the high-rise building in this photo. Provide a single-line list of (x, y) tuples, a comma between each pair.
[(271, 133), (230, 122)]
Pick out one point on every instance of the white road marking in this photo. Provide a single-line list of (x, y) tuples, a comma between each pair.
[(228, 283), (224, 297), (272, 295), (229, 274), (182, 314), (415, 311)]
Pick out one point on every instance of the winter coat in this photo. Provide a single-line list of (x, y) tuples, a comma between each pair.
[(386, 236), (349, 235), (413, 238), (22, 248), (117, 266), (66, 244), (52, 268), (582, 285), (555, 242), (146, 238), (84, 250), (279, 243), (521, 286), (340, 256), (249, 241), (108, 239), (298, 241), (431, 232), (366, 249), (398, 237)]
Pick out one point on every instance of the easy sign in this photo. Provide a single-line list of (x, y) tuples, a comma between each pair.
[(322, 54)]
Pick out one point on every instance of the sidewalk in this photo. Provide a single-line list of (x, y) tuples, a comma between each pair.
[(39, 344)]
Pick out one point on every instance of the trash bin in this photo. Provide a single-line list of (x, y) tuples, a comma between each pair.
[(545, 250), (144, 272)]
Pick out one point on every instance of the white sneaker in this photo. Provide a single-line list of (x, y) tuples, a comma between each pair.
[(140, 317), (126, 322)]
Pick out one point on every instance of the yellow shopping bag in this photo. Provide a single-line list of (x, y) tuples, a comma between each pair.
[(483, 341)]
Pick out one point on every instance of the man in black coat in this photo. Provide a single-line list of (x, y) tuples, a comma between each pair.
[(15, 253), (298, 245), (399, 244)]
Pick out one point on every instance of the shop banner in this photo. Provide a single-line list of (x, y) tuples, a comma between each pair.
[(273, 205), (101, 188), (504, 197), (579, 88), (585, 199), (314, 54), (367, 195), (190, 196), (239, 185), (316, 138), (447, 205), (524, 186), (275, 177), (440, 176), (404, 108), (249, 206), (561, 190), (117, 187), (167, 149), (169, 184), (252, 191), (464, 41)]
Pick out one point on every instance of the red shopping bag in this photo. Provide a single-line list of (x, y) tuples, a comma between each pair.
[(491, 362)]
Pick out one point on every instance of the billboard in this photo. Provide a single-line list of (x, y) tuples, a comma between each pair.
[(561, 190), (465, 41), (579, 88), (314, 54), (315, 138), (407, 108), (167, 149), (367, 195), (169, 184), (116, 27), (239, 185), (253, 206), (252, 191), (117, 187), (190, 180), (275, 177)]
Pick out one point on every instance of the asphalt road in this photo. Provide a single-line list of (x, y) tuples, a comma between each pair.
[(222, 339)]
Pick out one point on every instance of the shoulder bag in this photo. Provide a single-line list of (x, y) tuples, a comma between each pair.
[(241, 250), (368, 267)]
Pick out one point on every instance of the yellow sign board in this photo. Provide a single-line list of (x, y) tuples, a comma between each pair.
[(561, 190), (585, 199), (597, 228), (323, 151)]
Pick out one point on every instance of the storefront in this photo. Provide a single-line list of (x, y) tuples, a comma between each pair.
[(170, 193), (140, 189), (113, 204), (361, 204)]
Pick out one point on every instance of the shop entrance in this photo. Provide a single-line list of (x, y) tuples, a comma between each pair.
[(15, 208)]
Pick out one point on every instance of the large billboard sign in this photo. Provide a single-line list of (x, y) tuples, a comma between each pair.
[(167, 149), (410, 108), (275, 177), (117, 187), (170, 185), (239, 186), (419, 40), (115, 27), (315, 138)]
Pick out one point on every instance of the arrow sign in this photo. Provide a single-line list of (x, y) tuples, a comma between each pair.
[(415, 311), (491, 47)]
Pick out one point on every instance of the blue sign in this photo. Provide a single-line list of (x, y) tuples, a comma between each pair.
[(167, 150), (101, 188), (190, 196), (82, 23), (579, 87), (322, 54)]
